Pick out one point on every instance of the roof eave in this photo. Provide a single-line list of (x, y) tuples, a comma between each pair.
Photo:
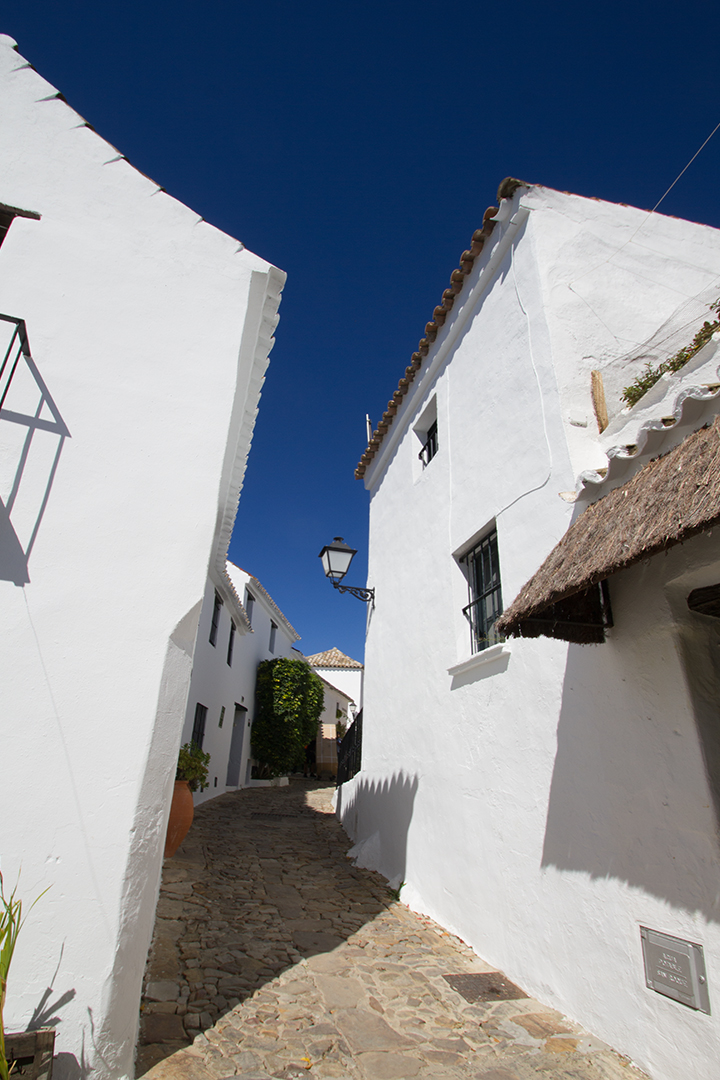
[(511, 219)]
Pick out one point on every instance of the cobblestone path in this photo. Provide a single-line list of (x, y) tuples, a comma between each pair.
[(274, 957)]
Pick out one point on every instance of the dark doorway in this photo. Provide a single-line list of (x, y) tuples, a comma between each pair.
[(236, 746)]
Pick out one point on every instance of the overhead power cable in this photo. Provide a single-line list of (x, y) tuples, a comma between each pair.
[(648, 215)]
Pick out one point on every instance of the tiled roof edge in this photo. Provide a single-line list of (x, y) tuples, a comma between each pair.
[(507, 188), (227, 582), (335, 659), (652, 440), (258, 587)]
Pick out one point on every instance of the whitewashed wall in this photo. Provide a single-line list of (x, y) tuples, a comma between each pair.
[(348, 680), (221, 686), (536, 798), (326, 745), (151, 331)]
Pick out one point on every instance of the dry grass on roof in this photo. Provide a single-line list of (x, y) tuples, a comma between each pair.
[(666, 502)]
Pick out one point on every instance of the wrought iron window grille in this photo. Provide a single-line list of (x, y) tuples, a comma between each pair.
[(485, 592), (430, 446), (350, 752)]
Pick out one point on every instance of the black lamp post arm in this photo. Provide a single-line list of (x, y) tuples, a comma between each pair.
[(368, 595)]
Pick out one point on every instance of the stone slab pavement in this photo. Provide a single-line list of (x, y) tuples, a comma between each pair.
[(274, 957)]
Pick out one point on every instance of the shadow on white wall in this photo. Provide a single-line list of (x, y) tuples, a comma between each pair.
[(376, 814), (32, 436), (627, 798)]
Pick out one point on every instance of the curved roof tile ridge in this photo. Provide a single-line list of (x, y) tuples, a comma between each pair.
[(333, 658), (653, 438), (506, 190)]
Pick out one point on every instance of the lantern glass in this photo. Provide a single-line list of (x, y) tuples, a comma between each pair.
[(336, 559)]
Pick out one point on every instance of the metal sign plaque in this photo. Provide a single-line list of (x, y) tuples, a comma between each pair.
[(675, 968)]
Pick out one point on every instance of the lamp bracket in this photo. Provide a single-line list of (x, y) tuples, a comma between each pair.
[(368, 595)]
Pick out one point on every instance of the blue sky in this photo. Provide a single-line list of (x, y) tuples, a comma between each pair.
[(356, 146)]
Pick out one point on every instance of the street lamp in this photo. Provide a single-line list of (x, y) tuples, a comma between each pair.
[(336, 559)]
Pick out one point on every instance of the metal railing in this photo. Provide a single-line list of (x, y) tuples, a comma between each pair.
[(350, 752), (18, 346), (482, 623), (430, 447)]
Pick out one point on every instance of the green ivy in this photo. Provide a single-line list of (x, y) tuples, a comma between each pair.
[(289, 699), (650, 375)]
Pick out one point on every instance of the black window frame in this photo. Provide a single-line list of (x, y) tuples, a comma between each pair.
[(215, 623), (231, 643), (273, 636), (430, 446), (198, 731), (485, 605)]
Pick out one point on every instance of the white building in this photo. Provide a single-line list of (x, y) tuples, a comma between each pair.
[(240, 626), (139, 337), (342, 672), (547, 800), (337, 708)]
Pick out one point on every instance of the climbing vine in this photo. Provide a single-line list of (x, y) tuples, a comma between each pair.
[(650, 375), (289, 699)]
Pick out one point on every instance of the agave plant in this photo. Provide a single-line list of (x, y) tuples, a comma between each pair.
[(11, 922)]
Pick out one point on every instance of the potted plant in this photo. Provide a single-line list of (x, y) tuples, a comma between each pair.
[(191, 774), (29, 1051)]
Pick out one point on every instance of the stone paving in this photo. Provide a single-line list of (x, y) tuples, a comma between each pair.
[(274, 957)]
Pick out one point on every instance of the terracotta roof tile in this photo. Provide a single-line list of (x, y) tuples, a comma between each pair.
[(332, 658)]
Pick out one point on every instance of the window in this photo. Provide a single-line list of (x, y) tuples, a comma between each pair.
[(215, 619), (249, 604), (231, 643), (426, 430), (273, 631), (485, 607), (430, 447), (198, 731)]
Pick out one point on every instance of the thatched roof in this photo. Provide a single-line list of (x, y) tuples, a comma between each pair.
[(666, 502)]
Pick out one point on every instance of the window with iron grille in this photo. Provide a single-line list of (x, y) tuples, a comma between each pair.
[(215, 619), (198, 731), (430, 446), (485, 607)]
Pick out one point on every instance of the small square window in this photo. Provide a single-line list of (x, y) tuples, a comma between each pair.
[(485, 592), (215, 619)]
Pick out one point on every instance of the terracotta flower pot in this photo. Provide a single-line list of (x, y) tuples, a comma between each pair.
[(181, 815)]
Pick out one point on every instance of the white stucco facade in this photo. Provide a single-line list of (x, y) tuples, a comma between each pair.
[(337, 706), (342, 672), (227, 690), (542, 800), (124, 440)]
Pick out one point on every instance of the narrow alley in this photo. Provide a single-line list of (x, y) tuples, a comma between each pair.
[(273, 956)]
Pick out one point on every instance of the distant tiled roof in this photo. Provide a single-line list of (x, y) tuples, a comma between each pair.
[(333, 658), (441, 312)]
